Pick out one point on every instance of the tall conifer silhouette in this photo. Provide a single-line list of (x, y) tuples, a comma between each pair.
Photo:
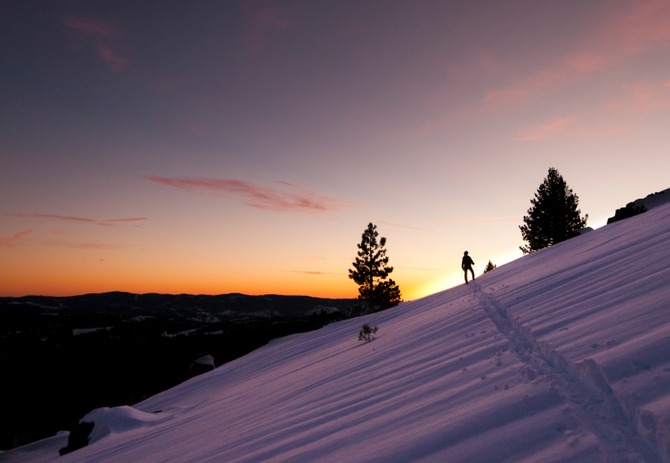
[(553, 216), (371, 270)]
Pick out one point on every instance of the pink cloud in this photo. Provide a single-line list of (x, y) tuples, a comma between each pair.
[(644, 97), (256, 196), (75, 245), (11, 240), (102, 36), (91, 26), (644, 26), (77, 219), (567, 128), (279, 182), (546, 131), (135, 219), (116, 62), (265, 19), (53, 217)]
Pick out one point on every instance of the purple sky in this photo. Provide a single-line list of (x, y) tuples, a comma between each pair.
[(243, 146)]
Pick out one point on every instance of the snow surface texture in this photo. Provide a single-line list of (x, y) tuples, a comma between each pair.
[(560, 356)]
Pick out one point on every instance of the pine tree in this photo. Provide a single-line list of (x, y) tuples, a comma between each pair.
[(371, 270), (490, 266), (553, 216), (387, 294)]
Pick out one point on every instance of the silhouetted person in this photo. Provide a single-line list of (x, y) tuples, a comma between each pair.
[(466, 265)]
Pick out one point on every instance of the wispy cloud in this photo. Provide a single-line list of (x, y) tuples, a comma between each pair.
[(11, 240), (54, 217), (108, 222), (545, 131), (643, 97), (102, 36), (644, 26), (83, 245), (256, 196), (407, 227), (265, 19), (573, 127), (134, 219)]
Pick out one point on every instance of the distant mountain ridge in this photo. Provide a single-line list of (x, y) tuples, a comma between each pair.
[(202, 308)]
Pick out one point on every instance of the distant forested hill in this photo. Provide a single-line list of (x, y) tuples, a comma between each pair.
[(64, 356)]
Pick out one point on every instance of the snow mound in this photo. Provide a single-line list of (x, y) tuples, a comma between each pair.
[(118, 420)]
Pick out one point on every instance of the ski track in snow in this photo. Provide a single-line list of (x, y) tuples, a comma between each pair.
[(593, 403)]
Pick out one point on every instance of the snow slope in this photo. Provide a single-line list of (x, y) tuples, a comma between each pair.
[(560, 356)]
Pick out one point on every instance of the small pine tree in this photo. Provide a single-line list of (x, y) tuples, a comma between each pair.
[(371, 270), (490, 266), (367, 334), (553, 216)]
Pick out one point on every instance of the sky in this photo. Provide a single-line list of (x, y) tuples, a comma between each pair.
[(244, 146)]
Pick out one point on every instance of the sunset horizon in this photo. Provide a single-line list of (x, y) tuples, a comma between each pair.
[(243, 147)]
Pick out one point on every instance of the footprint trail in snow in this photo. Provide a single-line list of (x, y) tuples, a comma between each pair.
[(588, 397)]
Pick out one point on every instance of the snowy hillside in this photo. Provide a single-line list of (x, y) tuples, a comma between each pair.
[(562, 355)]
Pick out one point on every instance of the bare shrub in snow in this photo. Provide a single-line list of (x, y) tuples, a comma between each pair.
[(367, 334)]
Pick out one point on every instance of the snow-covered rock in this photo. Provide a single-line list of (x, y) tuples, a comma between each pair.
[(321, 309), (201, 365)]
